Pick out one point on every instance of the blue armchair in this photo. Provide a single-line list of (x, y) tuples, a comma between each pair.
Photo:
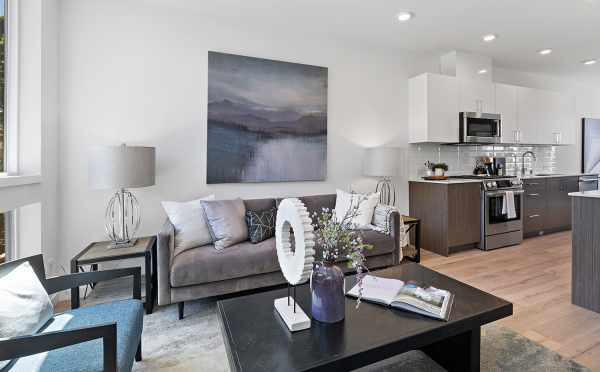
[(104, 337)]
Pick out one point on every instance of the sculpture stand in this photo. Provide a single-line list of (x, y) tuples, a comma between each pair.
[(292, 315)]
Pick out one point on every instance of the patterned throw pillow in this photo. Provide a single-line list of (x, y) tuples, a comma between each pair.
[(261, 224)]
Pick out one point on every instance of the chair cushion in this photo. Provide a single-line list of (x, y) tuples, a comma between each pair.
[(88, 356), (206, 264)]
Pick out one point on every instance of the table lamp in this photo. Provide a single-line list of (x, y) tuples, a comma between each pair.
[(381, 162), (121, 167)]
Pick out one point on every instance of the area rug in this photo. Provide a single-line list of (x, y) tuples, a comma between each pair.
[(195, 343)]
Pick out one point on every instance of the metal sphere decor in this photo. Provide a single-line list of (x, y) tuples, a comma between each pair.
[(122, 218), (296, 260)]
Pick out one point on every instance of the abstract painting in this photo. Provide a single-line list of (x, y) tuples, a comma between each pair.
[(267, 120)]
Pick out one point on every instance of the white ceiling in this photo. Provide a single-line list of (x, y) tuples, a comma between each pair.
[(570, 27)]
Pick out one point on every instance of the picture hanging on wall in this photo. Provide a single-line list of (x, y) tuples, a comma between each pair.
[(267, 120)]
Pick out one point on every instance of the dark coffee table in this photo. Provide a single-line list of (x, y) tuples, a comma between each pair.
[(257, 340)]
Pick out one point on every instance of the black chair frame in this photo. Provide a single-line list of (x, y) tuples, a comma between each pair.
[(18, 347)]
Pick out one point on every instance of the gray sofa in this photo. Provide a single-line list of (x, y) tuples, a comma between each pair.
[(205, 272)]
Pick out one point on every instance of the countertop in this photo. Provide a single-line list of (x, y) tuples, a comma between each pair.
[(586, 194), (528, 177), (558, 175), (446, 182)]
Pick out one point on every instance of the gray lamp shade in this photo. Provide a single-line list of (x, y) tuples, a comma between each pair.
[(120, 167), (380, 162)]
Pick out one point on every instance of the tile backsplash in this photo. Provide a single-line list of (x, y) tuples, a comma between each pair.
[(461, 159)]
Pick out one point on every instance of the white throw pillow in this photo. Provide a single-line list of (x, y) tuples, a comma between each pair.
[(191, 229), (366, 206), (24, 306)]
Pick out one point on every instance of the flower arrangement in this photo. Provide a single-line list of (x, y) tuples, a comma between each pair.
[(341, 239)]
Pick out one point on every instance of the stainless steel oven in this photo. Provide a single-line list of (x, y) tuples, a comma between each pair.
[(477, 127), (498, 229)]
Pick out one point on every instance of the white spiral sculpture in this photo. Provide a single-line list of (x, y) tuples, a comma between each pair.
[(297, 263)]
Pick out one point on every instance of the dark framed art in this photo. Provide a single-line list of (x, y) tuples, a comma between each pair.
[(266, 120)]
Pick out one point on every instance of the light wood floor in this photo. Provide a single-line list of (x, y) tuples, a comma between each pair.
[(536, 277)]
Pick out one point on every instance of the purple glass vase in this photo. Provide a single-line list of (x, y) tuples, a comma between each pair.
[(328, 297)]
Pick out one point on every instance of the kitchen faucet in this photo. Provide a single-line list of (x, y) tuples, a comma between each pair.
[(523, 160)]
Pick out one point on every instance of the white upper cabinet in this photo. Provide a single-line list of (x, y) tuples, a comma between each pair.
[(476, 95), (545, 117), (506, 106), (529, 116), (530, 112), (433, 109)]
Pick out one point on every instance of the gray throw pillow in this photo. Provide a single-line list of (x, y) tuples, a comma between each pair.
[(226, 220)]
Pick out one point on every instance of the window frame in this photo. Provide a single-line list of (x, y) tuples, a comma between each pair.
[(11, 88)]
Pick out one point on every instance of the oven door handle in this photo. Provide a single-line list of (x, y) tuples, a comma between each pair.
[(499, 193)]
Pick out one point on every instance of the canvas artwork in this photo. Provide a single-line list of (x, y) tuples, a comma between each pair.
[(267, 120)]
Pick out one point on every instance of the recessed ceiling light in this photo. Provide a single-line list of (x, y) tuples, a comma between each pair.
[(489, 38), (589, 62), (482, 71), (405, 16), (545, 52)]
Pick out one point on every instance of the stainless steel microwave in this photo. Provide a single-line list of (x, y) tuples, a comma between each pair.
[(477, 127)]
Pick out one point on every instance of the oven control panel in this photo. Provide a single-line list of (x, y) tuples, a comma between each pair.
[(502, 184)]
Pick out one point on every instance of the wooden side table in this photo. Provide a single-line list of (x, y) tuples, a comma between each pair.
[(414, 223), (100, 252)]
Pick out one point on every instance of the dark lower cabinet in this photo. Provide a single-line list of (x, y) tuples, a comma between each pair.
[(450, 215), (547, 206)]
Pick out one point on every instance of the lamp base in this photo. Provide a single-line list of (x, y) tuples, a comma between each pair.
[(127, 244), (387, 191)]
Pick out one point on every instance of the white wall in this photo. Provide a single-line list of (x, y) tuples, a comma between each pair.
[(137, 73)]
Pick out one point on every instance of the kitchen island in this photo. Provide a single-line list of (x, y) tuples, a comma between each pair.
[(586, 249)]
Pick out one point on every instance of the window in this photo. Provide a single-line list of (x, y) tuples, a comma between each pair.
[(2, 85), (3, 235)]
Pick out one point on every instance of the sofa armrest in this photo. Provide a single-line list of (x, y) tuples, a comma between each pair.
[(395, 233), (387, 220), (164, 248)]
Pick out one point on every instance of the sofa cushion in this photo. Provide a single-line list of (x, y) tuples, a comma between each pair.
[(88, 356), (382, 243), (259, 204), (206, 264), (316, 203)]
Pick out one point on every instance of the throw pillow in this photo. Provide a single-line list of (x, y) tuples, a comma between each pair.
[(25, 306), (261, 224), (365, 203), (191, 229), (226, 220)]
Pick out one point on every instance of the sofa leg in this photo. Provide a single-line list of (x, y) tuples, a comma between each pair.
[(180, 308), (138, 353)]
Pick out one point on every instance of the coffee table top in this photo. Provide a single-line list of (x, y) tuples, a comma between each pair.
[(256, 338)]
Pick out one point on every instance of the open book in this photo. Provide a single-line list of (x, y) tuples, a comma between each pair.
[(432, 302)]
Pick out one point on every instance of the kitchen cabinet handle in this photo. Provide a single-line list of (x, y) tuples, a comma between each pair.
[(534, 216), (532, 183), (534, 194)]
